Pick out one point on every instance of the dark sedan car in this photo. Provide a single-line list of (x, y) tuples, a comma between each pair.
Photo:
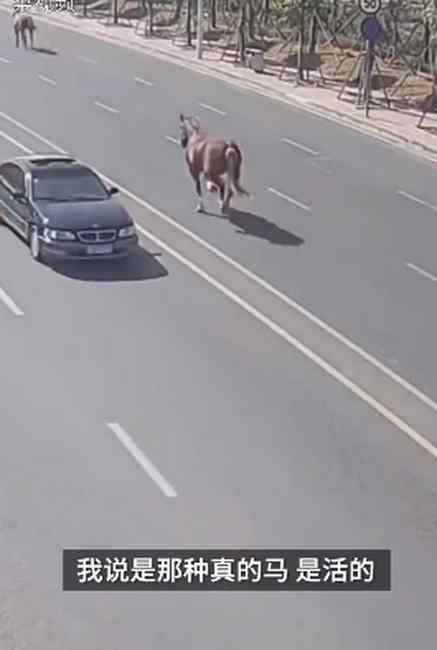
[(62, 208)]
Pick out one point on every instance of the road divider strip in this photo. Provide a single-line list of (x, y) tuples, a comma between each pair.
[(105, 107), (426, 274), (142, 460), (10, 304), (290, 199), (213, 109), (47, 80), (292, 143), (416, 199)]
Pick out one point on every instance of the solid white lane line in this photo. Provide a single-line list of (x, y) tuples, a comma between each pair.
[(3, 60), (86, 59), (213, 110), (299, 146), (106, 108), (10, 304), (289, 199), (143, 81), (303, 311), (47, 80), (142, 460), (15, 142), (417, 200), (171, 139), (426, 274), (386, 413)]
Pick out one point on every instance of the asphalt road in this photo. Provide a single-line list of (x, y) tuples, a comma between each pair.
[(263, 446)]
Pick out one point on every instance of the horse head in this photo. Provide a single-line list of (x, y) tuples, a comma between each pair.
[(188, 126)]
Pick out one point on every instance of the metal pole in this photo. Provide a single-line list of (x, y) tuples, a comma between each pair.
[(199, 28), (368, 86)]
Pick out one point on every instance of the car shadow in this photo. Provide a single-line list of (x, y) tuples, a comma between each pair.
[(251, 224), (139, 266), (44, 50)]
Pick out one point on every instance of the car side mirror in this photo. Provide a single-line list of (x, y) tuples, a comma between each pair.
[(113, 190)]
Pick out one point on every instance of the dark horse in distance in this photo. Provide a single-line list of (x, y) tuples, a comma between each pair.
[(23, 25)]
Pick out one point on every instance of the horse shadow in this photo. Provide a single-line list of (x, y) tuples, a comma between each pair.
[(44, 50), (253, 225), (139, 266)]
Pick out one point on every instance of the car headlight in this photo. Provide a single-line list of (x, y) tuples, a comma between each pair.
[(60, 235), (128, 231)]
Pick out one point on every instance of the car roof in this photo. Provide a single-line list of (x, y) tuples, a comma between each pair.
[(47, 161)]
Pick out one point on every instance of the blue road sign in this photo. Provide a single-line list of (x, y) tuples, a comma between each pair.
[(371, 29)]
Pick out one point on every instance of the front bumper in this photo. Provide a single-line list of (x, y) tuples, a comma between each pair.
[(74, 250)]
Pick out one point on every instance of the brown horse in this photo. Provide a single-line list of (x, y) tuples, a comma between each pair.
[(218, 160), (23, 23)]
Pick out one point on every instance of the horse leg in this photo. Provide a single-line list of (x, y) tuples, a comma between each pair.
[(222, 187), (24, 37), (196, 178), (17, 38), (31, 39), (227, 195)]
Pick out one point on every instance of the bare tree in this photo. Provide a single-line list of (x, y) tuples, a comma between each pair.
[(178, 11), (189, 22), (242, 25)]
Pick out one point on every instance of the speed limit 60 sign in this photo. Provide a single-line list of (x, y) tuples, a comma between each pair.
[(370, 6)]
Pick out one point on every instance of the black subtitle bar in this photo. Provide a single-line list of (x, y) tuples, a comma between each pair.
[(226, 570)]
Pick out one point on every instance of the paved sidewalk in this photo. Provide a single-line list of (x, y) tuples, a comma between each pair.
[(397, 127)]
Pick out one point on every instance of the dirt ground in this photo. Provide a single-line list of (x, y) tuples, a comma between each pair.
[(337, 63)]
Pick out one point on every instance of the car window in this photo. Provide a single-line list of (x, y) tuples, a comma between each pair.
[(67, 185), (13, 176)]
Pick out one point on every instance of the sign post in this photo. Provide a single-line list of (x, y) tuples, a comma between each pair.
[(371, 31)]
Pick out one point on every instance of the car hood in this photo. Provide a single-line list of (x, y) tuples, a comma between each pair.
[(83, 214)]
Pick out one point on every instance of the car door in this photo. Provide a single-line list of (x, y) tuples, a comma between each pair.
[(16, 211)]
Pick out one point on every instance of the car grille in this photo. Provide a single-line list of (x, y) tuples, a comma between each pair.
[(96, 236)]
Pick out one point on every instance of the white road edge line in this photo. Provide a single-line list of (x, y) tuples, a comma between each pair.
[(406, 385), (299, 146), (15, 142), (3, 60), (86, 59), (10, 304), (213, 110), (426, 274), (47, 80), (106, 108), (143, 81), (417, 200), (171, 139), (298, 345), (142, 460), (289, 199)]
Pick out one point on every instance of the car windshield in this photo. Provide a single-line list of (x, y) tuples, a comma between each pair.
[(70, 185)]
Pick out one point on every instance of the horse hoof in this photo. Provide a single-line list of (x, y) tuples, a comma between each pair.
[(200, 209)]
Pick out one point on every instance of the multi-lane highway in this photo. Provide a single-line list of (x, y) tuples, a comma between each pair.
[(277, 367)]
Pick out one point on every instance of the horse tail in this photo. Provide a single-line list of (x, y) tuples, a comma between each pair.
[(234, 160)]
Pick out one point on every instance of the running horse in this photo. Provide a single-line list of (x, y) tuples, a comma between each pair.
[(23, 23), (218, 160)]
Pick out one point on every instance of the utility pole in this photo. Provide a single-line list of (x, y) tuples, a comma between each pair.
[(199, 28)]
